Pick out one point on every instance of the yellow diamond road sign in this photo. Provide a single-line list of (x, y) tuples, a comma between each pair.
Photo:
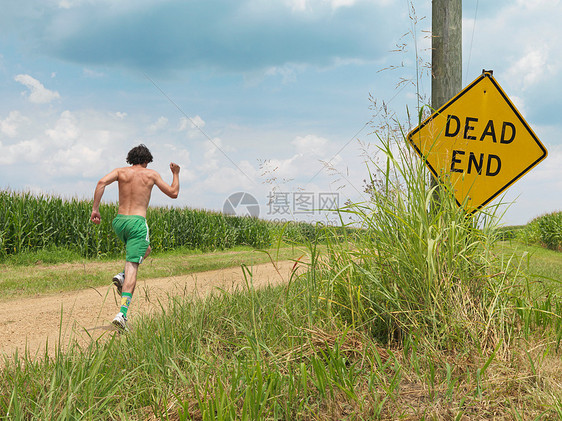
[(479, 142)]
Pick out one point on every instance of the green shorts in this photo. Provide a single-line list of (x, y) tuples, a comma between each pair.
[(133, 231)]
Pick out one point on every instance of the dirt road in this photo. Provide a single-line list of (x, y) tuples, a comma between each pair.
[(40, 323)]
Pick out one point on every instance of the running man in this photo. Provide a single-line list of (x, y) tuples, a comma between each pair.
[(135, 186)]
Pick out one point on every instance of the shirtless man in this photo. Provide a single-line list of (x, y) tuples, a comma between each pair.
[(135, 186)]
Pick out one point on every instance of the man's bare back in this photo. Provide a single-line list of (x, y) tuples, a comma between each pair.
[(135, 188)]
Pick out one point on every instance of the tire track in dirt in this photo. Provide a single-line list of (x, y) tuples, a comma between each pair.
[(41, 324)]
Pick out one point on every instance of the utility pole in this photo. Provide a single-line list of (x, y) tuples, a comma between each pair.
[(446, 54)]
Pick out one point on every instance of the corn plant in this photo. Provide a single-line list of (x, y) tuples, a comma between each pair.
[(32, 222)]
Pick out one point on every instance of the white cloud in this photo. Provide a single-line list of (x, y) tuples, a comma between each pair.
[(306, 5), (93, 74), (342, 3), (229, 179), (311, 145), (538, 4), (193, 125), (27, 151), (38, 94), (523, 42), (79, 160), (211, 151), (288, 72), (69, 4), (66, 130), (550, 170), (310, 155), (88, 144), (9, 126), (519, 103), (275, 170), (158, 125), (531, 68), (173, 153), (297, 5), (77, 145)]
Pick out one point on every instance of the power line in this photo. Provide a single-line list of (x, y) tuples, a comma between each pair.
[(471, 41), (199, 128), (356, 134)]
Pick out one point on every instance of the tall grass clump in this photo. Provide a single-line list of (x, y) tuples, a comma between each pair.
[(421, 266)]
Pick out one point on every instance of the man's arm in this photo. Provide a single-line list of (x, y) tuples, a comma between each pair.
[(95, 217), (173, 189)]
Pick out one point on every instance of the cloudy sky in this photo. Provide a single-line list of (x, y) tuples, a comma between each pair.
[(258, 96)]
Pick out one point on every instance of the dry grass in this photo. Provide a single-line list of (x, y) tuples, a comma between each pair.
[(525, 386)]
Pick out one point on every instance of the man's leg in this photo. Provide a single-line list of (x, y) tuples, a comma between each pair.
[(131, 270), (129, 285), (133, 231), (119, 279), (130, 282), (148, 250)]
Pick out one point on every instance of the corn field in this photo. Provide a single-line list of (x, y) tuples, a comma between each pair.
[(544, 230), (31, 222)]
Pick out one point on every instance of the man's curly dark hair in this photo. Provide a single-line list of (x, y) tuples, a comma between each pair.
[(139, 155)]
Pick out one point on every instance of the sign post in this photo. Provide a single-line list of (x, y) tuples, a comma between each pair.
[(479, 142)]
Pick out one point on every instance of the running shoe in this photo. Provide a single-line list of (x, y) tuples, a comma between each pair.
[(120, 322), (118, 281)]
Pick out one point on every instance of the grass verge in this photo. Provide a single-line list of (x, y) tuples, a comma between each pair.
[(272, 354), (539, 262)]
